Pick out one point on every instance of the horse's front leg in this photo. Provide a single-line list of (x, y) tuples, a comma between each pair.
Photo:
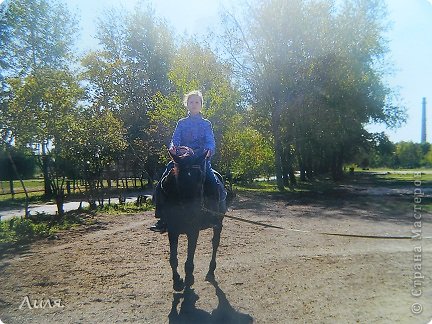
[(217, 230), (178, 283), (192, 238)]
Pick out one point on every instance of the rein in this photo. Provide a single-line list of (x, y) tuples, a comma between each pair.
[(310, 232), (238, 218), (175, 171)]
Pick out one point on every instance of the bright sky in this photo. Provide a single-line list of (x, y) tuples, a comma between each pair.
[(410, 45), (411, 52)]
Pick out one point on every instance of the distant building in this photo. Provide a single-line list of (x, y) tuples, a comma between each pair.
[(423, 129)]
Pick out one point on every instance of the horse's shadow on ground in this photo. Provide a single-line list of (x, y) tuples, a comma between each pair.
[(188, 313)]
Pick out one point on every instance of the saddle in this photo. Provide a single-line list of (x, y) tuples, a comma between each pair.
[(223, 194), (207, 190)]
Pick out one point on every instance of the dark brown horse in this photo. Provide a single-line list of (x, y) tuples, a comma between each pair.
[(185, 205)]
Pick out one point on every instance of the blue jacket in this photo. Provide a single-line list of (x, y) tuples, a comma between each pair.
[(196, 132)]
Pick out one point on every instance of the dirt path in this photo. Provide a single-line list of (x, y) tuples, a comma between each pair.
[(118, 271)]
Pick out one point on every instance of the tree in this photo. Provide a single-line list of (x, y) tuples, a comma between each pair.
[(427, 158), (246, 153), (4, 39), (38, 36), (408, 155), (16, 165), (41, 110), (381, 152), (127, 74), (25, 163), (91, 144), (196, 66), (315, 83), (40, 106)]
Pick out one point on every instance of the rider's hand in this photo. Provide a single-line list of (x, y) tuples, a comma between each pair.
[(173, 150)]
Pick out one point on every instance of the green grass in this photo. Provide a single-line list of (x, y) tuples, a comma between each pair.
[(30, 184), (35, 192), (370, 178), (42, 226), (395, 179), (127, 208), (19, 201), (326, 192), (21, 230), (320, 185), (258, 186), (407, 177)]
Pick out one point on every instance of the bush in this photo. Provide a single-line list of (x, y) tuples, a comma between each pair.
[(27, 229), (36, 226), (127, 208)]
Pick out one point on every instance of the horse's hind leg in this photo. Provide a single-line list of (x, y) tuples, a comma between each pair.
[(217, 230), (189, 265), (178, 283)]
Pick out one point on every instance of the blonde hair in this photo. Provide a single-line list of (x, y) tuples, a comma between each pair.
[(193, 93)]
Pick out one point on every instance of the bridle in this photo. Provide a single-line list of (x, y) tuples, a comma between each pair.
[(202, 172)]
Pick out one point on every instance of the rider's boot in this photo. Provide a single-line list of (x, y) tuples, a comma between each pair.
[(160, 225)]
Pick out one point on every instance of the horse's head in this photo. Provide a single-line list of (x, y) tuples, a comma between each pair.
[(189, 171)]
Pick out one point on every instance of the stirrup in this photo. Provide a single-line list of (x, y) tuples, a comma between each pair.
[(159, 227)]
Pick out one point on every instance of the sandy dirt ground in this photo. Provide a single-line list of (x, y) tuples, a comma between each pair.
[(116, 270)]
